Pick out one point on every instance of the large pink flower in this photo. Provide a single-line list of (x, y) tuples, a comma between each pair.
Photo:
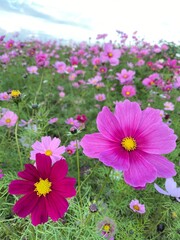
[(45, 190), (132, 140), (49, 147)]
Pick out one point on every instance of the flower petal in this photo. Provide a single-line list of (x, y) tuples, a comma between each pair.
[(128, 115), (154, 136), (140, 171), (39, 214), (56, 205), (43, 164), (46, 141), (55, 142), (170, 184), (58, 171), (93, 144), (116, 158), (21, 187), (65, 187), (108, 125), (25, 205), (30, 173), (160, 190), (165, 168)]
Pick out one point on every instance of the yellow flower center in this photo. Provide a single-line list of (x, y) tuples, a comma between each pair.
[(15, 93), (8, 120), (129, 143), (125, 76), (43, 187), (48, 153), (136, 207), (128, 93), (110, 54), (106, 228)]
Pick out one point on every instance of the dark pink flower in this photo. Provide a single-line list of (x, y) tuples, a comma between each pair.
[(132, 140), (44, 189)]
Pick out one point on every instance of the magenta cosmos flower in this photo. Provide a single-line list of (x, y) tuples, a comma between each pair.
[(132, 140), (49, 147), (45, 190)]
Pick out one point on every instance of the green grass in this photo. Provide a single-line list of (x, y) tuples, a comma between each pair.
[(40, 101)]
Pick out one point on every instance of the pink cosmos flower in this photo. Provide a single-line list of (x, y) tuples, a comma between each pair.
[(60, 67), (44, 189), (41, 59), (33, 70), (9, 119), (4, 96), (100, 97), (110, 55), (100, 36), (169, 106), (53, 120), (70, 149), (132, 140), (171, 189), (49, 147), (62, 94), (73, 122), (178, 99), (128, 91), (125, 76), (5, 58), (1, 175), (9, 44), (137, 207)]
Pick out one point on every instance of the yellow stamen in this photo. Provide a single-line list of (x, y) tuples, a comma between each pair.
[(43, 187), (128, 93), (48, 153), (125, 76), (129, 143), (110, 54), (15, 93), (106, 228), (136, 207), (8, 120)]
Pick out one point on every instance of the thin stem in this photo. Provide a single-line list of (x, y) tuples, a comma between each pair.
[(78, 168), (103, 186), (17, 144)]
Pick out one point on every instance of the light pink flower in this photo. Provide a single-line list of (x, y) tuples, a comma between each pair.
[(132, 140), (49, 147), (33, 70), (73, 122), (137, 207), (100, 97), (60, 67), (70, 149), (4, 96), (9, 119), (128, 91), (53, 120), (169, 106)]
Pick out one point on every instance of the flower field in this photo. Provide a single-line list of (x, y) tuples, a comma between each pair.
[(90, 140)]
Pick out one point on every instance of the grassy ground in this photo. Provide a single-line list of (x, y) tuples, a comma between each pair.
[(40, 101)]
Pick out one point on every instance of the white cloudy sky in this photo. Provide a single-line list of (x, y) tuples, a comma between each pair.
[(81, 19)]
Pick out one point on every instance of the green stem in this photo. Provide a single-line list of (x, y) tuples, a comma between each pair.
[(92, 171), (78, 168), (103, 186), (17, 144)]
